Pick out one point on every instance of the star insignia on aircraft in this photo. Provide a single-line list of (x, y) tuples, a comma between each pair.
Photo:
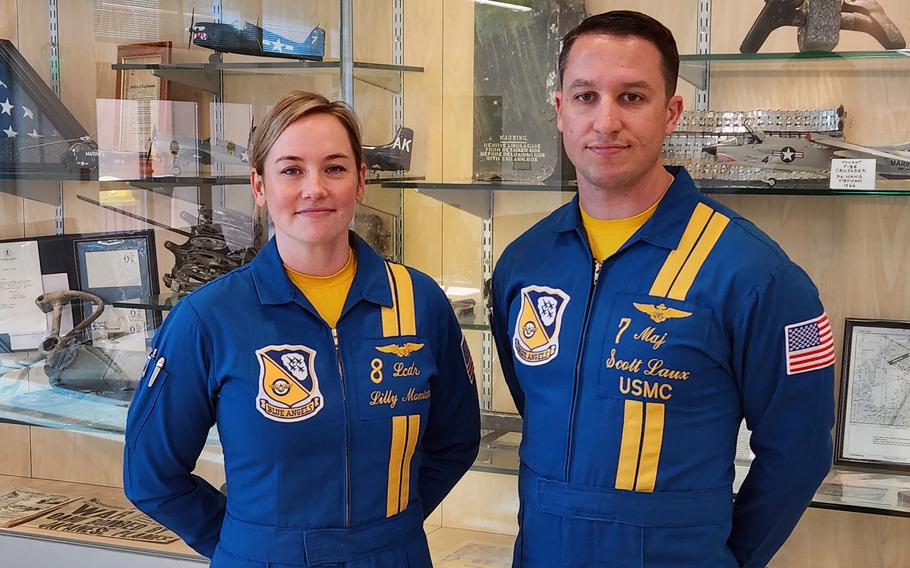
[(7, 108), (660, 312), (788, 154), (400, 350), (278, 46), (10, 133)]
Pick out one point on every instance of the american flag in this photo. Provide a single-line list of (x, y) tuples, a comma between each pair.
[(17, 114), (809, 345)]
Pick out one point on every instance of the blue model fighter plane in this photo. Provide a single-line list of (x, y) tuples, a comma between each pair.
[(253, 40)]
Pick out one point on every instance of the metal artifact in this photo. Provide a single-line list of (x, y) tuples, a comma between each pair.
[(464, 309), (819, 23), (71, 362), (219, 240), (373, 229)]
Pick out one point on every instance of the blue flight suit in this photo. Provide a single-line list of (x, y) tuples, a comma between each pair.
[(337, 442), (632, 377)]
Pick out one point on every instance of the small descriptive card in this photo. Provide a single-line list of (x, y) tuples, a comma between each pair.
[(852, 174)]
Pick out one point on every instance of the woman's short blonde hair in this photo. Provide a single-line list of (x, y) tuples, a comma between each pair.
[(289, 109)]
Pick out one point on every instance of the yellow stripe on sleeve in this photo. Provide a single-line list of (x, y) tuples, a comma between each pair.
[(407, 319), (413, 432), (678, 256), (390, 315), (396, 456), (705, 244), (650, 452), (631, 441)]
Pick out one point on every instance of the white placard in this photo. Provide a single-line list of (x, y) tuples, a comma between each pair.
[(52, 283), (20, 284), (113, 268), (852, 174), (120, 328)]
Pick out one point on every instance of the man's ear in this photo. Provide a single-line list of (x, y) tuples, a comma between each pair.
[(674, 111), (558, 103)]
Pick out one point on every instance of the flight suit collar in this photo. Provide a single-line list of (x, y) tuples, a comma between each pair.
[(663, 229), (371, 282)]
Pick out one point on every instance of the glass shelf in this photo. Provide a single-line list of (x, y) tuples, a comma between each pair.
[(871, 492), (158, 302), (786, 56), (570, 186), (474, 196), (207, 76), (693, 68)]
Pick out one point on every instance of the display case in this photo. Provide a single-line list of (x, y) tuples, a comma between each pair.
[(147, 167), (124, 185), (851, 102)]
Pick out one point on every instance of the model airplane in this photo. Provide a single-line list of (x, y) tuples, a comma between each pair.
[(812, 152), (184, 151), (254, 40)]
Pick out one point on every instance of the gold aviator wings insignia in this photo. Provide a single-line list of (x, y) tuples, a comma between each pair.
[(400, 350), (660, 312)]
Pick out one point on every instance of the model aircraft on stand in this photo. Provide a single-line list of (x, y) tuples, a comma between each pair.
[(254, 40), (810, 152)]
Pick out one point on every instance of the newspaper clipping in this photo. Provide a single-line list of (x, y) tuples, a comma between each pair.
[(93, 517), (21, 505)]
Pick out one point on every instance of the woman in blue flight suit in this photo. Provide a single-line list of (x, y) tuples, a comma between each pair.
[(340, 383)]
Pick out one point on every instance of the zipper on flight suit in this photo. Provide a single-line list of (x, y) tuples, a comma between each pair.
[(347, 453), (581, 347)]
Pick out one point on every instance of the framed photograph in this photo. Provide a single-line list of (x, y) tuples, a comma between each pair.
[(142, 84), (873, 415)]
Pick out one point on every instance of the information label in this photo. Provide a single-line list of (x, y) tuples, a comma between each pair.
[(853, 174)]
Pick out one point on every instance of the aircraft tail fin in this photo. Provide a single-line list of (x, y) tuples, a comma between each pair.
[(315, 42), (394, 156), (401, 146)]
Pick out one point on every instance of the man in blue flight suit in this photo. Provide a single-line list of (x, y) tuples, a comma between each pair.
[(638, 325)]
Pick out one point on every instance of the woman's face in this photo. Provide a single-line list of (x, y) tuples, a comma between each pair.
[(310, 182)]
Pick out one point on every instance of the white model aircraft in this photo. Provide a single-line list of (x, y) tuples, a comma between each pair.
[(811, 152)]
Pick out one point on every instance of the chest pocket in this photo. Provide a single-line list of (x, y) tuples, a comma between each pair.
[(392, 376), (654, 348)]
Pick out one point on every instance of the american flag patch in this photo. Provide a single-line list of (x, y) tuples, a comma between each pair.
[(809, 345), (468, 360)]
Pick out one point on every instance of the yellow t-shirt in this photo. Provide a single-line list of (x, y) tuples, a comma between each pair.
[(606, 236), (327, 293)]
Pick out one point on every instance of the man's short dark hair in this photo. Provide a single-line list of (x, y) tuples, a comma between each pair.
[(627, 23)]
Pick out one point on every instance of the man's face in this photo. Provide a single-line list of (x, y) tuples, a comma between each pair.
[(613, 111)]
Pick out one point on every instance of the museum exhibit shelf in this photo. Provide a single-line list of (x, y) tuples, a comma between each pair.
[(474, 196), (855, 490), (695, 68), (207, 76)]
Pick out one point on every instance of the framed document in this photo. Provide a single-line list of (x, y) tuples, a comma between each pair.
[(142, 84), (873, 416), (119, 267)]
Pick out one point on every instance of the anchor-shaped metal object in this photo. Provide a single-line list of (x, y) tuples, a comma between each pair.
[(819, 23)]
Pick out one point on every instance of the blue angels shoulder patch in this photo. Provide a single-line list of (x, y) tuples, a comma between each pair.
[(288, 386), (536, 337)]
